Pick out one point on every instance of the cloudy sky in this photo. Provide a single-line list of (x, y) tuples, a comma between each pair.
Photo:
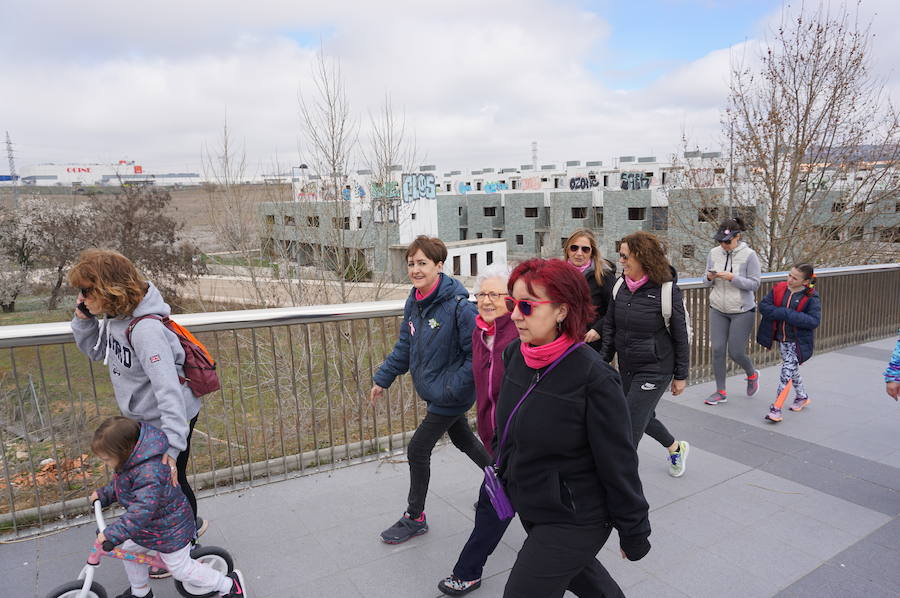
[(100, 81)]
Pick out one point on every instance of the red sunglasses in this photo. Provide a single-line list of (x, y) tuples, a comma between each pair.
[(526, 306)]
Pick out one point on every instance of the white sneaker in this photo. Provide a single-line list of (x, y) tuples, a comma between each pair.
[(678, 460)]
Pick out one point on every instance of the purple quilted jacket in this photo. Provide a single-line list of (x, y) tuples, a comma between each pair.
[(158, 515)]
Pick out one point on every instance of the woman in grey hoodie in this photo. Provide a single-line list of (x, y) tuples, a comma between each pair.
[(733, 272), (144, 372)]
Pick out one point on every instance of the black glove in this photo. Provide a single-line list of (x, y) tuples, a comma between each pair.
[(635, 548)]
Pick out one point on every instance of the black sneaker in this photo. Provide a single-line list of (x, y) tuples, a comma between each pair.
[(127, 594), (238, 589), (454, 586), (404, 529), (159, 573)]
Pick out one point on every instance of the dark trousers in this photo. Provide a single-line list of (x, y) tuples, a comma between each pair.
[(488, 532), (181, 464), (422, 443), (642, 392), (560, 557)]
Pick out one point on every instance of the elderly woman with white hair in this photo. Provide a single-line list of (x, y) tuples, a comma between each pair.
[(494, 330)]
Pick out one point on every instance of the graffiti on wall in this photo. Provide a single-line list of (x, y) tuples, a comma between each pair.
[(582, 182), (635, 180), (463, 188), (494, 187), (389, 190), (531, 183), (418, 186)]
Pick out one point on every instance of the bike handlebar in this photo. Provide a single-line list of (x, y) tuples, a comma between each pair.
[(98, 515), (107, 546)]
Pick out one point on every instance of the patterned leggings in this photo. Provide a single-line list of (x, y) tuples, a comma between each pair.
[(790, 369)]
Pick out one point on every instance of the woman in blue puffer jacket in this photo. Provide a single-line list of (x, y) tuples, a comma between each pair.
[(158, 516), (435, 347)]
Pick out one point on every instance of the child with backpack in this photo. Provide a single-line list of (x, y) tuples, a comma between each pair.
[(158, 516), (790, 314)]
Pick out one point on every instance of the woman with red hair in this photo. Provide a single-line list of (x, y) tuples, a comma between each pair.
[(564, 450)]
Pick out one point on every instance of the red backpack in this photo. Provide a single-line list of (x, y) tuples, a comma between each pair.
[(199, 366)]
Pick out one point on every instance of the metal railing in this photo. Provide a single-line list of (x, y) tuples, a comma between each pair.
[(294, 395)]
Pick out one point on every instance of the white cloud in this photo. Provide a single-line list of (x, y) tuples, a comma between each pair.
[(478, 81)]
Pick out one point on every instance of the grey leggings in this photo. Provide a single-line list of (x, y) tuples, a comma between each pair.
[(731, 331)]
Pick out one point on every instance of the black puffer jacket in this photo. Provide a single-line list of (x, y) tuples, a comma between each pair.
[(600, 297), (568, 456), (634, 329)]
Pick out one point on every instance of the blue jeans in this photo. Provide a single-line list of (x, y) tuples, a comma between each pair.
[(488, 532)]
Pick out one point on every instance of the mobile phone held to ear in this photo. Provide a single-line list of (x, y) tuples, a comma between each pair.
[(83, 309)]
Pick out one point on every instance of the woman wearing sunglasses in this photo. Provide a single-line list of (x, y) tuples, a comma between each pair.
[(435, 347), (146, 371), (582, 252), (565, 452), (494, 330), (652, 355)]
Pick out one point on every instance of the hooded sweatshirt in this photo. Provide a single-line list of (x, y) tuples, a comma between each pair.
[(158, 515), (144, 376), (737, 295)]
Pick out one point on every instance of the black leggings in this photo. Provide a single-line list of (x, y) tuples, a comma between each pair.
[(181, 463), (422, 443)]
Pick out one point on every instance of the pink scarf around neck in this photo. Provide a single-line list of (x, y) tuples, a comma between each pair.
[(489, 329), (543, 355), (420, 296), (634, 285)]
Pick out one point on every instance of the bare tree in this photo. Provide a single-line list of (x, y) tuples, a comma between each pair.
[(19, 247), (329, 138), (814, 144)]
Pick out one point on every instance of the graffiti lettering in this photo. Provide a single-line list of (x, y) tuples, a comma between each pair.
[(531, 183), (463, 188), (635, 180), (582, 182), (418, 186), (389, 190), (494, 187)]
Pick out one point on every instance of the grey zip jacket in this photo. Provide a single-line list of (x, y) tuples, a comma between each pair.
[(737, 295), (144, 376)]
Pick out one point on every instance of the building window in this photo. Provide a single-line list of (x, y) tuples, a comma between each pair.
[(498, 234), (312, 221), (531, 212), (490, 211), (473, 264), (479, 235), (413, 216), (556, 183), (606, 180), (489, 258), (520, 239), (838, 206), (478, 186), (562, 242), (708, 215), (897, 207), (888, 234), (579, 212), (341, 223), (856, 233), (543, 179), (463, 233), (459, 211), (448, 186), (598, 217), (687, 251), (718, 171), (659, 218), (514, 181), (456, 264), (290, 221), (663, 178), (270, 218), (637, 213), (359, 222)]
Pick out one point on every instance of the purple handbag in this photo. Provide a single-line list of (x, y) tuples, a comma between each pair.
[(492, 484)]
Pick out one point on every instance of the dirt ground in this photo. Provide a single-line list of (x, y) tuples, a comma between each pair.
[(192, 205)]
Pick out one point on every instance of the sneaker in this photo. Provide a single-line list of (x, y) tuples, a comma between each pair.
[(774, 414), (454, 586), (753, 384), (237, 588), (202, 526), (716, 398), (678, 460), (404, 529), (127, 594), (159, 573), (799, 404)]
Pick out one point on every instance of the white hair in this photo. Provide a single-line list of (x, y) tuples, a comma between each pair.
[(493, 271)]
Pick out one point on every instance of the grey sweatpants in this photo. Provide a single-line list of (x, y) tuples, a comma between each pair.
[(731, 331)]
